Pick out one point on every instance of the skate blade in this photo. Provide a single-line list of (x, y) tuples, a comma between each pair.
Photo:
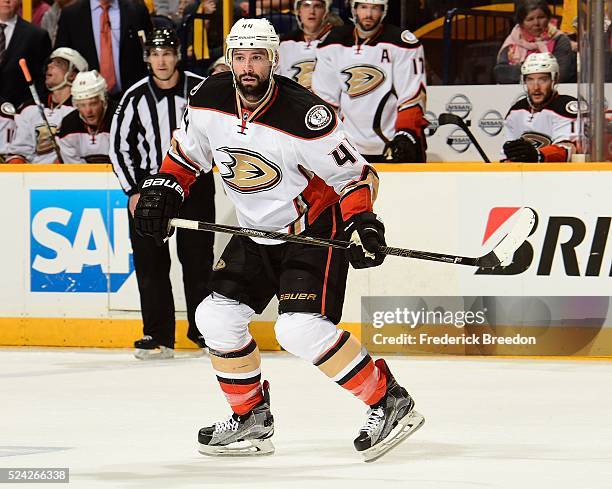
[(248, 448), (156, 354), (405, 427)]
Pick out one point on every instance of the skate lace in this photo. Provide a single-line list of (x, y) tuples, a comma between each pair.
[(229, 424), (375, 416)]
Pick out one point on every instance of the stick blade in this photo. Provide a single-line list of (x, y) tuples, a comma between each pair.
[(448, 118), (504, 251)]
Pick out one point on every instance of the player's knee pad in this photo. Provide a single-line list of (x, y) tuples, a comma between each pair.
[(305, 335), (224, 322)]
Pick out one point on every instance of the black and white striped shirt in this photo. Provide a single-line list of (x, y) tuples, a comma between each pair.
[(143, 125)]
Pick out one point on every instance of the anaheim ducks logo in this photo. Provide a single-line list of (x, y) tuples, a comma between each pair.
[(362, 79), (44, 139), (303, 72), (537, 139), (249, 172)]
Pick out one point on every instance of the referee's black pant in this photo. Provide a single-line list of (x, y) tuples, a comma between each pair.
[(152, 265)]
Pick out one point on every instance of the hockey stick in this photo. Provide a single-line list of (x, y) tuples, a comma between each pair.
[(41, 108), (447, 118), (502, 253)]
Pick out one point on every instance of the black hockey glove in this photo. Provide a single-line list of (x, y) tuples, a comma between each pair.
[(522, 151), (366, 234), (161, 197), (405, 148)]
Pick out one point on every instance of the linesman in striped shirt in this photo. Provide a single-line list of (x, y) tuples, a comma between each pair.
[(141, 131)]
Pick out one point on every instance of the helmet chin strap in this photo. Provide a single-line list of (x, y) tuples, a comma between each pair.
[(64, 83)]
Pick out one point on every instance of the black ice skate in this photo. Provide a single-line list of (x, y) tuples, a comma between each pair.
[(390, 421), (147, 348), (246, 435)]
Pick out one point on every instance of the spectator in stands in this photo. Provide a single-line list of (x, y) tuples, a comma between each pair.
[(297, 49), (264, 7), (541, 127), (20, 39), (205, 35), (278, 12), (106, 33), (241, 7), (32, 142), (534, 33), (51, 18), (84, 134), (374, 73), (39, 9), (7, 126)]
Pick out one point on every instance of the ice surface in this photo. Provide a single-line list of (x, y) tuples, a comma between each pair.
[(121, 423)]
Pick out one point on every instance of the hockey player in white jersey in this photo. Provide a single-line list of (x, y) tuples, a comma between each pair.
[(375, 75), (287, 166), (32, 142), (84, 136), (541, 127), (297, 50)]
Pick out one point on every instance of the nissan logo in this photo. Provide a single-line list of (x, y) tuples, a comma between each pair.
[(459, 141), (433, 126), (459, 105), (491, 122)]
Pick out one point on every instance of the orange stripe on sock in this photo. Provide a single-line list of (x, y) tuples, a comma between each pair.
[(242, 397), (369, 384)]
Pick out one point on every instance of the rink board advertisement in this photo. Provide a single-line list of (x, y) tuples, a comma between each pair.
[(69, 257)]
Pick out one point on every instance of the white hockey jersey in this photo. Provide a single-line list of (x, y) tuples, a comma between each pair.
[(554, 124), (79, 143), (32, 141), (297, 57), (371, 82), (281, 165)]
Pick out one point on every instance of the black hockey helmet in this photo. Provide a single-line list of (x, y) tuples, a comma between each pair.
[(162, 38)]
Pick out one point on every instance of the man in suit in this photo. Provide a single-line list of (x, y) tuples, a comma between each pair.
[(105, 32), (20, 39)]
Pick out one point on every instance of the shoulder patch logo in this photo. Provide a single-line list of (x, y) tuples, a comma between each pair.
[(572, 107), (318, 117), (409, 37), (303, 72), (248, 172), (362, 79)]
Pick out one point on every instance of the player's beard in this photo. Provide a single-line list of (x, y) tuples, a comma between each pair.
[(375, 25), (547, 97), (253, 93)]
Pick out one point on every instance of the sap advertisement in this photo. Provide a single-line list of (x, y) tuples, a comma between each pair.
[(79, 241)]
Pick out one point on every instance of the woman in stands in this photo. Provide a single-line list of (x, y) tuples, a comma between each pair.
[(534, 33)]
